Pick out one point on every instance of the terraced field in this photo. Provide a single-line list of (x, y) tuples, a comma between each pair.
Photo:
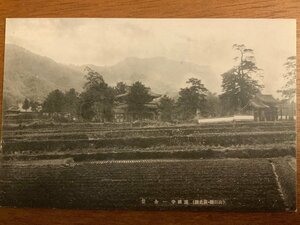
[(71, 137), (232, 184), (236, 166)]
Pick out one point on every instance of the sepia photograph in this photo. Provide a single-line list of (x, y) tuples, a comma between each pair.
[(149, 114)]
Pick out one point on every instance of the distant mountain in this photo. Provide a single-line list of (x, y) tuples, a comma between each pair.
[(163, 75), (28, 75)]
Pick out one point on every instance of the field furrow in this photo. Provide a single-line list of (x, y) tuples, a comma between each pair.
[(238, 184)]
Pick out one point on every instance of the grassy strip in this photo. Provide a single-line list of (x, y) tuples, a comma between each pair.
[(61, 128), (139, 133), (207, 153), (222, 139)]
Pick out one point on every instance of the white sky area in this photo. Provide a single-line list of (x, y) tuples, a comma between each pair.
[(202, 41)]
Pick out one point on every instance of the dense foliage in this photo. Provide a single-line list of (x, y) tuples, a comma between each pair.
[(137, 97), (191, 99), (96, 100), (289, 89), (54, 102), (26, 104), (240, 83), (167, 108)]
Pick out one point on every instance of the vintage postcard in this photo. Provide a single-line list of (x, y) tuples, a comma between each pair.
[(149, 114)]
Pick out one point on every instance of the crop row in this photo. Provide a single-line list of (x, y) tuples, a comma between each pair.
[(171, 152), (135, 133), (174, 131), (215, 139), (57, 128), (126, 184)]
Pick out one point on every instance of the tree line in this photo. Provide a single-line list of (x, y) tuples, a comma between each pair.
[(97, 100), (239, 84)]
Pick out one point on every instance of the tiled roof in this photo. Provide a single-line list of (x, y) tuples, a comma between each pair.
[(258, 104), (151, 93), (266, 98), (263, 101)]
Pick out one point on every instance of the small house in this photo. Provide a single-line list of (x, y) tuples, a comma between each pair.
[(15, 116), (264, 107)]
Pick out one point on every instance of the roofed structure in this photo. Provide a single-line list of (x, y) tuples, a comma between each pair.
[(264, 107), (261, 101), (122, 114), (151, 93)]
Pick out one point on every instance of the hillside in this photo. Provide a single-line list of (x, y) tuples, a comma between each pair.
[(28, 75), (163, 75)]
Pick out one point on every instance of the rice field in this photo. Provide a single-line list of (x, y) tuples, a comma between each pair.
[(241, 167)]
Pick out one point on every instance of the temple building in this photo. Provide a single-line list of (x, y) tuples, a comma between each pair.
[(122, 113), (264, 107)]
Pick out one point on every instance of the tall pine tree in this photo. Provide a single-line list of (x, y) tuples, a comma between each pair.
[(241, 82)]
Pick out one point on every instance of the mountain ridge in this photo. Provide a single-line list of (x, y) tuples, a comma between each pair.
[(30, 75), (163, 75)]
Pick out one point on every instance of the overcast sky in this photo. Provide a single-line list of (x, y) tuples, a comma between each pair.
[(202, 41)]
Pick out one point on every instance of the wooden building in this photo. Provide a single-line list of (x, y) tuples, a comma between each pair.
[(287, 109), (15, 116), (264, 107), (122, 113)]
